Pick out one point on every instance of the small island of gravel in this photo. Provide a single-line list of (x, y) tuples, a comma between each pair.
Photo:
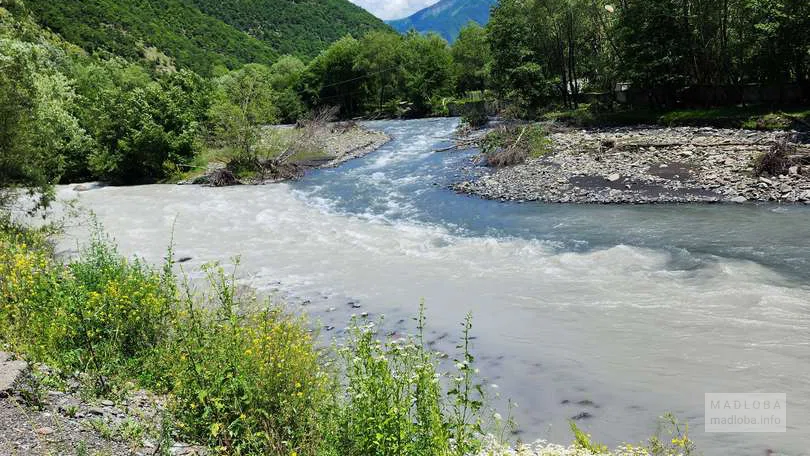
[(639, 165)]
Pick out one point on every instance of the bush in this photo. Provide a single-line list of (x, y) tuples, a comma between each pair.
[(474, 114), (243, 380), (100, 314), (513, 145), (393, 402)]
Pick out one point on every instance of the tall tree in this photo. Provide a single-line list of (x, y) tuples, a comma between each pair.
[(472, 59)]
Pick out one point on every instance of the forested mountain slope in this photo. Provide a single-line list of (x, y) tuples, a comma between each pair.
[(203, 34), (303, 28)]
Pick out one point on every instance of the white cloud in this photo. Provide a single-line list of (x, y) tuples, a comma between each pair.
[(393, 9)]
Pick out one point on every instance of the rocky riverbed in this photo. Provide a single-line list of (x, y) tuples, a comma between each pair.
[(38, 417), (649, 165)]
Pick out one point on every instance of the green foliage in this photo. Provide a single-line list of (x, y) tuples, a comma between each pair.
[(144, 128), (547, 52), (243, 102), (102, 314), (37, 127), (285, 79), (246, 380), (474, 114), (393, 401), (302, 28), (511, 145), (583, 441), (672, 439), (192, 39), (332, 79), (382, 73), (202, 34), (472, 59)]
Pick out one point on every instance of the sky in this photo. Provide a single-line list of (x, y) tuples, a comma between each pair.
[(393, 9)]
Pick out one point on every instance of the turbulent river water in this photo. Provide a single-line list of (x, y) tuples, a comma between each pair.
[(639, 309)]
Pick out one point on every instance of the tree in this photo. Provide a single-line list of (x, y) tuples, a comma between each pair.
[(380, 61), (472, 59), (333, 78), (427, 71), (285, 79), (243, 102), (36, 125)]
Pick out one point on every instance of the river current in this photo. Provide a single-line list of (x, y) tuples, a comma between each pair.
[(635, 310)]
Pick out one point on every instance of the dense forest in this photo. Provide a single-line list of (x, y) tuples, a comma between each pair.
[(302, 28), (204, 35), (556, 49)]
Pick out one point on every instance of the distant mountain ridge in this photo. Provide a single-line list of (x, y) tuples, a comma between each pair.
[(447, 17)]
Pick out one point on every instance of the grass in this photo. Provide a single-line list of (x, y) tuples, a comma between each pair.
[(242, 376), (749, 117)]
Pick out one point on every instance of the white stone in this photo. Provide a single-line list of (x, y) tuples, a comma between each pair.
[(739, 199), (614, 177)]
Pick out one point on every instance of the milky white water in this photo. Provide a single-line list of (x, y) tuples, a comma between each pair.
[(641, 310)]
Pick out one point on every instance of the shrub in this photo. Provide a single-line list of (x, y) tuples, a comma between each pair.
[(393, 403), (474, 114), (513, 145), (396, 402), (101, 313), (243, 380)]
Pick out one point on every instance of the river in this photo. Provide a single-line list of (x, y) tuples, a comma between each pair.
[(639, 309)]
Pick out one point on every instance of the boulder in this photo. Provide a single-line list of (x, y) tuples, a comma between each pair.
[(10, 373)]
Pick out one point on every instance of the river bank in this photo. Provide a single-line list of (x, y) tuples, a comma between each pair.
[(650, 165), (287, 153)]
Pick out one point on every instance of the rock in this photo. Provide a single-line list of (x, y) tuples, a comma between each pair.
[(107, 403), (785, 188), (10, 373), (581, 416), (614, 177), (45, 430), (86, 187), (794, 170)]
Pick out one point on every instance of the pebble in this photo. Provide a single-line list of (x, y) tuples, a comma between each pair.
[(45, 430)]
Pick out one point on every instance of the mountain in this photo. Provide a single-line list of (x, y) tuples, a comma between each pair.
[(203, 34), (447, 17), (299, 27)]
